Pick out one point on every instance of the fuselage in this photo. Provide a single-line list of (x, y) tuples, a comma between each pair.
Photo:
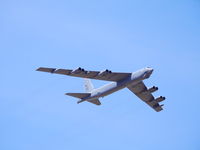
[(112, 87)]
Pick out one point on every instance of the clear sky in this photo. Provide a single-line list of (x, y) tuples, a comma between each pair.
[(120, 35)]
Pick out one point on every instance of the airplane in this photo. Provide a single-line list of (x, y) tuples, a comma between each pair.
[(132, 81)]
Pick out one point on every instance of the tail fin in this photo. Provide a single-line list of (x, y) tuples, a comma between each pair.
[(79, 95), (88, 85)]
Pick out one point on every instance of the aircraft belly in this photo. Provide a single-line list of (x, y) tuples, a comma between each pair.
[(112, 90)]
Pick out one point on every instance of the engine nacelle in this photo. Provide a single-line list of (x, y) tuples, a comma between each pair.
[(160, 99), (152, 89), (105, 72), (78, 70)]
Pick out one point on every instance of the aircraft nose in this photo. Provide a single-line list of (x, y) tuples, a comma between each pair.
[(150, 70)]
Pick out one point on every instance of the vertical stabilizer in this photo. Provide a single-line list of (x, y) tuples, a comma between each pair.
[(88, 85)]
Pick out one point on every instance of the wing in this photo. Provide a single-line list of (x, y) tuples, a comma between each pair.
[(79, 72), (145, 95)]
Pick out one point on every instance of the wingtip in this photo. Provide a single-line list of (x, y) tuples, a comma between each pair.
[(38, 69), (44, 69), (160, 109)]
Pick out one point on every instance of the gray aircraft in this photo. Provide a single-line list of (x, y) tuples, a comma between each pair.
[(133, 81)]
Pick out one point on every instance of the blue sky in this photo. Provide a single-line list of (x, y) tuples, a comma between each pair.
[(117, 35)]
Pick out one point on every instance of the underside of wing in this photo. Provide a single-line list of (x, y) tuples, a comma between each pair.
[(106, 75), (141, 91)]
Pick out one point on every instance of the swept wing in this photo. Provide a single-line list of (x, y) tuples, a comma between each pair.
[(79, 72), (141, 91)]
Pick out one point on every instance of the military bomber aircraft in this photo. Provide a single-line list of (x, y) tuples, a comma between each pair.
[(132, 81)]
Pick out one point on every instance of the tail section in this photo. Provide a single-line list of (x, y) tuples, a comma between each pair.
[(83, 96), (79, 95), (95, 101), (88, 85)]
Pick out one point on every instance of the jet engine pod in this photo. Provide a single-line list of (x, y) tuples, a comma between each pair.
[(78, 70), (105, 72), (160, 99), (153, 89)]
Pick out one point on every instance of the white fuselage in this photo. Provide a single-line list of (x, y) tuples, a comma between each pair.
[(116, 86)]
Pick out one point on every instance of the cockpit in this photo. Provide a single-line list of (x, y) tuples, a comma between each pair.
[(148, 72)]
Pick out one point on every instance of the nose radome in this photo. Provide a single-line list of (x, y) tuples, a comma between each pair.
[(148, 72), (150, 69)]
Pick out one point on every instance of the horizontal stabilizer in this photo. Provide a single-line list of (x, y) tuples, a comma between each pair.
[(79, 95), (95, 101)]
